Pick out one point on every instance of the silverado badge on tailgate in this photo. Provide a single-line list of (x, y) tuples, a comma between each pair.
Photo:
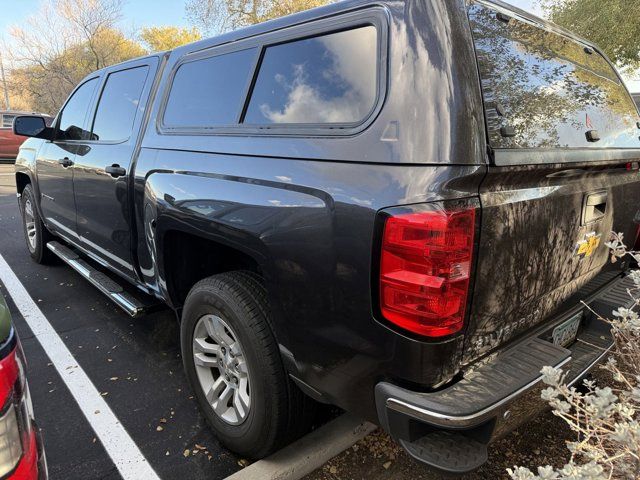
[(585, 248)]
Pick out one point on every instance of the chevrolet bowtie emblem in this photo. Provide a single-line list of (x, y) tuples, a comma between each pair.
[(585, 248)]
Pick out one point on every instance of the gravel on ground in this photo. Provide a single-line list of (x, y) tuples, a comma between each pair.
[(539, 442)]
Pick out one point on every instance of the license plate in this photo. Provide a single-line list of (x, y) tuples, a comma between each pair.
[(565, 333)]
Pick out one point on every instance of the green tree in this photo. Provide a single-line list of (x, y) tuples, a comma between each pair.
[(158, 39), (216, 16), (611, 24)]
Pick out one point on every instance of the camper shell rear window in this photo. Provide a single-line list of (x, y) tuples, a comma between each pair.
[(543, 90)]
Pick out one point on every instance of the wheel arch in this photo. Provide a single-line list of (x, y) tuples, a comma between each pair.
[(22, 180), (188, 258)]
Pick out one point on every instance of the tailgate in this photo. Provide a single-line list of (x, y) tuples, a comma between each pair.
[(542, 239), (564, 140)]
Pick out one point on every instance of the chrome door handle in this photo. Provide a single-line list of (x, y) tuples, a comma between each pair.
[(65, 162), (115, 171)]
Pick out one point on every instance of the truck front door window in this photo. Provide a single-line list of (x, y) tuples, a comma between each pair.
[(72, 118)]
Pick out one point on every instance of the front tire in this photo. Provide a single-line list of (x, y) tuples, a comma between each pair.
[(35, 233), (233, 364)]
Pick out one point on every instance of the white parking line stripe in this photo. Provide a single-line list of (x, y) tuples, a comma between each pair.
[(126, 455), (310, 452)]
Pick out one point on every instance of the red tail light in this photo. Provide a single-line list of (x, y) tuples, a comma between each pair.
[(425, 270), (18, 449)]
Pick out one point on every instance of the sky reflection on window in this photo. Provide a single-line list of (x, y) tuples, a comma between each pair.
[(326, 79)]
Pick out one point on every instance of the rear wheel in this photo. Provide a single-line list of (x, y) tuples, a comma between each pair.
[(35, 233), (233, 364)]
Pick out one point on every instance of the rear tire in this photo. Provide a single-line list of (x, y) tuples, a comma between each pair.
[(233, 363), (35, 233)]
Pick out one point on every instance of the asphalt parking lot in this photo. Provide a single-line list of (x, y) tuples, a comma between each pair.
[(136, 367)]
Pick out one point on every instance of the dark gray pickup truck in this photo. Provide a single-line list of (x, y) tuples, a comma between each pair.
[(393, 207)]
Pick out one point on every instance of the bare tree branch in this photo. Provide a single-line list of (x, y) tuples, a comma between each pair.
[(217, 16), (62, 43)]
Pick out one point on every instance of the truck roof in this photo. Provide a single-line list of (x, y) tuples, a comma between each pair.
[(546, 24), (333, 8)]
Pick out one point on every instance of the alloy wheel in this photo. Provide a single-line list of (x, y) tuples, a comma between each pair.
[(221, 369), (30, 224)]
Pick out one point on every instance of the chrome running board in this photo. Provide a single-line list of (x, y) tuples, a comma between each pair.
[(115, 292)]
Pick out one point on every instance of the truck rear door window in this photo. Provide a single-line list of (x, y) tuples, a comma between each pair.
[(119, 104), (550, 89), (321, 80), (209, 91)]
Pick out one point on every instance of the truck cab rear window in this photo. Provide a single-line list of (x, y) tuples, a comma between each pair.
[(544, 90), (326, 79)]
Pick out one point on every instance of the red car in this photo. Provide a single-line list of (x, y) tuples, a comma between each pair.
[(9, 142), (21, 451)]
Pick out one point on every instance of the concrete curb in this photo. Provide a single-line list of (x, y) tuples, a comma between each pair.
[(309, 453)]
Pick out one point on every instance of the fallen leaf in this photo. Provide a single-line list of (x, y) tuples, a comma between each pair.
[(186, 453), (159, 428), (386, 465)]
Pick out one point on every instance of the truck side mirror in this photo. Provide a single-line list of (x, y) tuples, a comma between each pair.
[(31, 126)]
